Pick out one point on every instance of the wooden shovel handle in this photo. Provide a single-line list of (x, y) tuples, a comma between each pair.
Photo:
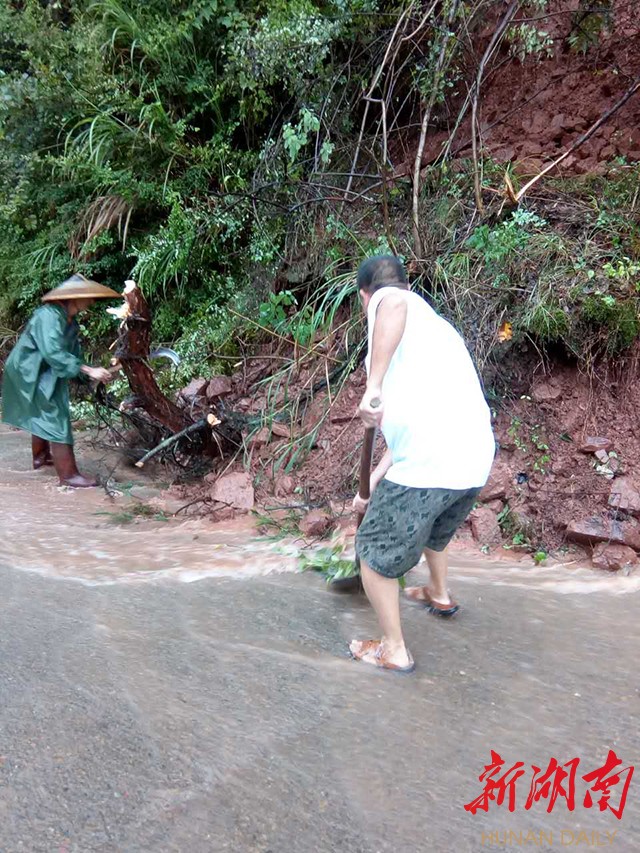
[(364, 487)]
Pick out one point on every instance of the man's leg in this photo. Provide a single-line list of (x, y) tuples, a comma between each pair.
[(438, 563), (389, 540), (456, 506), (383, 593)]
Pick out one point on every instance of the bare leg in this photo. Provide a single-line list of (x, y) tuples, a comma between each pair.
[(438, 563), (383, 593)]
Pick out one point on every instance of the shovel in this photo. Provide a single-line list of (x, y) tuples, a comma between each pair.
[(354, 582)]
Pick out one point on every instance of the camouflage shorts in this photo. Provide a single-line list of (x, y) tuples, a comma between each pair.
[(401, 522)]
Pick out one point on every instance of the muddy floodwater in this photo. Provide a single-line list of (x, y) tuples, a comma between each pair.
[(178, 686), (77, 534)]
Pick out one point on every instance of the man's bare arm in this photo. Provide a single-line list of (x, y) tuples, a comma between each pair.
[(390, 323)]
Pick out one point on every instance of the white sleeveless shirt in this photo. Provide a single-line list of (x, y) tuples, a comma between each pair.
[(436, 421)]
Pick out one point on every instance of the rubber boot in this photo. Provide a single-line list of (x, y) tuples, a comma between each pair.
[(40, 452), (66, 468)]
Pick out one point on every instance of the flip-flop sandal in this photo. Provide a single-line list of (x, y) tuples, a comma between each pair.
[(371, 652), (421, 595)]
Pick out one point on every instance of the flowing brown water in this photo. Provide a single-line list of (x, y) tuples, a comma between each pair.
[(71, 534)]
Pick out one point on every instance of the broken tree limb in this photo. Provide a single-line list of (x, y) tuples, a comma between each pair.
[(195, 427), (578, 142), (132, 351)]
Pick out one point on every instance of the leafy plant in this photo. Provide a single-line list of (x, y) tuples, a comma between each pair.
[(134, 513), (329, 562), (587, 23), (527, 40)]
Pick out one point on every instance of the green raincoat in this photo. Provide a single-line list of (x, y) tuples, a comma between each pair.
[(35, 385)]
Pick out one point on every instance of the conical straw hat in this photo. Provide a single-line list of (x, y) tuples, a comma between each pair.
[(79, 287)]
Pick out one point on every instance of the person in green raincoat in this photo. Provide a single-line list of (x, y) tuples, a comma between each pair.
[(35, 385)]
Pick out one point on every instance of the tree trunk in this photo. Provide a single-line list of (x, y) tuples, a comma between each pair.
[(132, 351)]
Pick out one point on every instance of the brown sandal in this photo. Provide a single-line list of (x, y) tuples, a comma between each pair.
[(421, 595), (372, 652)]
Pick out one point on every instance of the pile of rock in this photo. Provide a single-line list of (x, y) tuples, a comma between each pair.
[(615, 536)]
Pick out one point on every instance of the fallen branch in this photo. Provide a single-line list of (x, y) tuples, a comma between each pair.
[(198, 425), (515, 197)]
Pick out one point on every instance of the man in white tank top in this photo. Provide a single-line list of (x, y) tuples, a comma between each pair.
[(440, 448)]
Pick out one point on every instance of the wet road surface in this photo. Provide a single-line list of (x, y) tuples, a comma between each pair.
[(140, 712)]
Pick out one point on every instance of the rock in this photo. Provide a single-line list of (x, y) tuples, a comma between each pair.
[(495, 506), (315, 523), (260, 438), (545, 392), (602, 456), (196, 388), (498, 484), (281, 430), (593, 443), (625, 496), (145, 493), (218, 386), (234, 489), (225, 513), (612, 558), (284, 485), (485, 527), (614, 464), (590, 531)]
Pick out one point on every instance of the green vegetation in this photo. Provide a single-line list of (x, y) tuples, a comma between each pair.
[(330, 563), (224, 154), (136, 512)]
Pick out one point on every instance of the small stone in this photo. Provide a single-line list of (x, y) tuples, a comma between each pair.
[(234, 489), (195, 389), (218, 386), (498, 484), (225, 513), (260, 438), (144, 493), (613, 558), (495, 506), (546, 392), (284, 485), (602, 456), (281, 430), (315, 523), (592, 444), (614, 464), (485, 527), (625, 496)]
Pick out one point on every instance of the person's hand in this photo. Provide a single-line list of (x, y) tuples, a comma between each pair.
[(98, 374), (360, 505), (371, 408)]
